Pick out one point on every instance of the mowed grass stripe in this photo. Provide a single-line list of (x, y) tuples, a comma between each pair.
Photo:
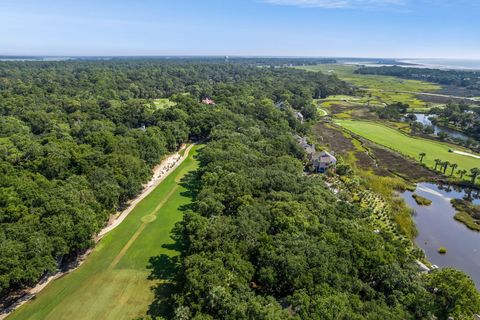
[(409, 146), (94, 291), (146, 219), (127, 246)]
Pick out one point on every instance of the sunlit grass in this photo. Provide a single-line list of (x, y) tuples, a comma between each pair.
[(163, 103), (410, 146), (378, 90), (114, 283)]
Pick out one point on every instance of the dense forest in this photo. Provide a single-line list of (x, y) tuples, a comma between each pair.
[(259, 61), (79, 138), (262, 240), (469, 80), (459, 116)]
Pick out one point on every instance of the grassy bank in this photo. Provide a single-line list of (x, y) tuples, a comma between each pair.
[(114, 281), (409, 146), (421, 201), (467, 213), (386, 187)]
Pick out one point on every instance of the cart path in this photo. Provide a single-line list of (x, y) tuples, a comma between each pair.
[(160, 172), (466, 154)]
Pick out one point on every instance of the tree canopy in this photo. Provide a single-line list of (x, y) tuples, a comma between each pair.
[(262, 240), (78, 139)]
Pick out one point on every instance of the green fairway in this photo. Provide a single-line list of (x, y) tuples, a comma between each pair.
[(113, 282), (409, 146)]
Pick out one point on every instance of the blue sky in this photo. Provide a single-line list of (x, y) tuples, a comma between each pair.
[(352, 28)]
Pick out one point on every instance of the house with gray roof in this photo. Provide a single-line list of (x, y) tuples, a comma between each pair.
[(322, 161)]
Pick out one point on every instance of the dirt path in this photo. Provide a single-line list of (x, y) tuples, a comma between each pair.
[(160, 172)]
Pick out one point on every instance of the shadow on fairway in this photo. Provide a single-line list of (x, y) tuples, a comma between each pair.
[(163, 269), (166, 270), (191, 182)]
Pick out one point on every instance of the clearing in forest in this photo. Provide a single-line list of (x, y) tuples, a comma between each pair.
[(410, 146), (113, 283), (163, 103)]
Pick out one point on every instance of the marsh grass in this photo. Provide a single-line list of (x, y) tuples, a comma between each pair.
[(467, 213), (378, 90), (467, 220), (387, 187), (421, 201)]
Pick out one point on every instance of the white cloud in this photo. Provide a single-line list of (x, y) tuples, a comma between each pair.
[(336, 3)]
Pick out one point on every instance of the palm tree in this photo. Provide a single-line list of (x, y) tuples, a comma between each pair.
[(441, 164), (462, 173), (453, 166), (474, 173), (445, 166), (422, 155), (437, 163)]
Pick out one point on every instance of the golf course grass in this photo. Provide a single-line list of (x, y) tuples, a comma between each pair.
[(113, 282), (410, 146)]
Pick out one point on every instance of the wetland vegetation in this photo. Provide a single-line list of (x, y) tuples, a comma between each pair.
[(438, 226), (422, 201), (256, 237), (376, 90), (468, 213), (411, 146), (379, 137), (467, 81)]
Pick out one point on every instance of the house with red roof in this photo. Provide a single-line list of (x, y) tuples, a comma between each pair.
[(208, 101)]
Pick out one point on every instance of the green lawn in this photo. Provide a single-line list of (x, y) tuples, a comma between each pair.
[(163, 103), (409, 146), (113, 282)]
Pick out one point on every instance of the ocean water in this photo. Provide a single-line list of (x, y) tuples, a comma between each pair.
[(453, 64)]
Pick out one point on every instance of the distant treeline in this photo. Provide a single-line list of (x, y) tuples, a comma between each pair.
[(282, 61), (465, 79), (254, 61)]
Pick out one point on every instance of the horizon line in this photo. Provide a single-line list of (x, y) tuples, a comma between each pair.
[(219, 56)]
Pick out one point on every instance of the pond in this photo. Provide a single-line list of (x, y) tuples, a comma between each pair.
[(437, 228), (425, 120)]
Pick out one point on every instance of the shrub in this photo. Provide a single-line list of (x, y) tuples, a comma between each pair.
[(442, 250)]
